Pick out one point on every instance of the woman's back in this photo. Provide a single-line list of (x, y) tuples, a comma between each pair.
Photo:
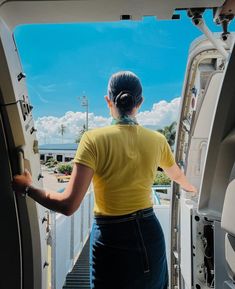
[(124, 159)]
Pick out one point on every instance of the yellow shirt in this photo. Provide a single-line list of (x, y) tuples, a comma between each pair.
[(124, 159)]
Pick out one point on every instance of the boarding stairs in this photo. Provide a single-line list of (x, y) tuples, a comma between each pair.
[(79, 277)]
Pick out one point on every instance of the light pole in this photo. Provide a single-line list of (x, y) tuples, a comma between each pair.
[(84, 103)]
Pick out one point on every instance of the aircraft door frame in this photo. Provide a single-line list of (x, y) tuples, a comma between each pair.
[(22, 150), (10, 241)]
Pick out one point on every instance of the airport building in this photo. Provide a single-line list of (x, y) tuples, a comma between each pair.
[(59, 152)]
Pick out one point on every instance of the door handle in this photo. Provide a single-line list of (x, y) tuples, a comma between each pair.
[(20, 156), (202, 150)]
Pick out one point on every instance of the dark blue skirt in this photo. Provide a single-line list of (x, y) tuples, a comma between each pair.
[(128, 252)]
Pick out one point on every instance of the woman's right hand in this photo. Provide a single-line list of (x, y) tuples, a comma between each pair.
[(20, 182)]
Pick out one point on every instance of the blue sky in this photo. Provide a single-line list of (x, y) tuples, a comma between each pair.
[(64, 61), (67, 60)]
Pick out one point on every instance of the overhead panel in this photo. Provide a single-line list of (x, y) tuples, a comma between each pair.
[(21, 12)]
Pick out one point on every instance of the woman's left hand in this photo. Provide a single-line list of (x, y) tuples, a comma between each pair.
[(20, 182)]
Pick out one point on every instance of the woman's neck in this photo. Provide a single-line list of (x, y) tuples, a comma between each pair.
[(125, 119)]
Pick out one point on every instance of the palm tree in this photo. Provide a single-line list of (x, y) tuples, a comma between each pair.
[(81, 132), (62, 131), (169, 132)]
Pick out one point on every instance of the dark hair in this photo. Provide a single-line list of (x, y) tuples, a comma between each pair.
[(125, 90)]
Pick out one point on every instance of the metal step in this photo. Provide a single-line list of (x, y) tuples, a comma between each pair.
[(79, 277)]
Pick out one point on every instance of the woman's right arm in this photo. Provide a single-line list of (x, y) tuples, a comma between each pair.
[(68, 201), (176, 175)]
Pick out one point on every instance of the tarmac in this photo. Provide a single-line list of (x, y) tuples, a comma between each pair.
[(50, 181)]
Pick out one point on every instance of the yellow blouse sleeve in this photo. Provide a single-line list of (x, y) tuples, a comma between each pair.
[(167, 157), (86, 153)]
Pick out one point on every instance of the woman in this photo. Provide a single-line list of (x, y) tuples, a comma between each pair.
[(127, 243)]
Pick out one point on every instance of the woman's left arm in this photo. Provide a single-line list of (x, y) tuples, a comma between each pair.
[(68, 201), (176, 175)]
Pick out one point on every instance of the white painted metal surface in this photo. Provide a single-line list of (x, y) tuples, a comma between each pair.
[(69, 236), (21, 12), (186, 241), (163, 214), (62, 249)]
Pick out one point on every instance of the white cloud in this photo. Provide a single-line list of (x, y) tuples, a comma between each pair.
[(161, 114), (48, 126)]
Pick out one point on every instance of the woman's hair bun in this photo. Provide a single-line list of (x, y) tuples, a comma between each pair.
[(125, 100)]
